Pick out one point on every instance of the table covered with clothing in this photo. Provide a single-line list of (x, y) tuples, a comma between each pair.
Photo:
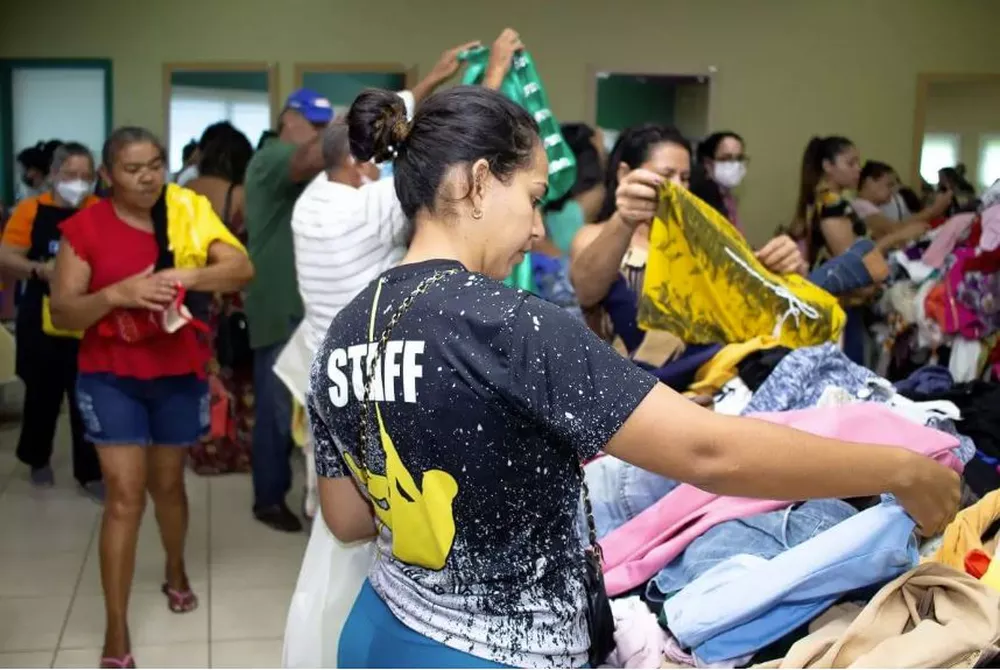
[(713, 581)]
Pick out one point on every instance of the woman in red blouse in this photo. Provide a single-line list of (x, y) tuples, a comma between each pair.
[(142, 391)]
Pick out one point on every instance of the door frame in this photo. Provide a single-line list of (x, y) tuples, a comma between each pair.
[(409, 73), (593, 71), (924, 82), (7, 67), (271, 69)]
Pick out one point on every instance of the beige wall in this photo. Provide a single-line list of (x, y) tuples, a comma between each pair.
[(968, 109), (787, 69)]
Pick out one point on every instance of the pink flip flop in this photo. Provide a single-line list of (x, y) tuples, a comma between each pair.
[(126, 661), (180, 602)]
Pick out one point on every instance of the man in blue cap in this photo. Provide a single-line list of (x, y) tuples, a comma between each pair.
[(276, 176)]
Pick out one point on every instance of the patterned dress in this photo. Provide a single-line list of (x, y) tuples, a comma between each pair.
[(227, 448)]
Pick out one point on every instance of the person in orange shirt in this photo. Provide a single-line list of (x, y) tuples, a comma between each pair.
[(47, 358)]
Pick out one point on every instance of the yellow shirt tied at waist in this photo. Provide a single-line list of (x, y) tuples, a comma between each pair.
[(192, 226), (704, 284)]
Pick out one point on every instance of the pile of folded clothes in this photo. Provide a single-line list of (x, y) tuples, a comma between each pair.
[(701, 580)]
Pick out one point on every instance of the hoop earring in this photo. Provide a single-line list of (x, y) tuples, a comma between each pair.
[(477, 213)]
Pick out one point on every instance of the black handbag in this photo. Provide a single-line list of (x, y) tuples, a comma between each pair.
[(232, 339)]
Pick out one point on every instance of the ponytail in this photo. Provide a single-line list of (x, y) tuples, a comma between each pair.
[(818, 151)]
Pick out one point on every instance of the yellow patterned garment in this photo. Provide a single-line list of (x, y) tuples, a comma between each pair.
[(704, 284)]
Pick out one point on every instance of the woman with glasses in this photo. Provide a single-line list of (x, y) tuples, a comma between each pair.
[(722, 165), (46, 357)]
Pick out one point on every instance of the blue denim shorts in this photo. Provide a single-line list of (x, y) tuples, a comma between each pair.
[(169, 411)]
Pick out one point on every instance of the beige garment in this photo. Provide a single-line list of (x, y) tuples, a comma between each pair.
[(931, 617), (6, 356)]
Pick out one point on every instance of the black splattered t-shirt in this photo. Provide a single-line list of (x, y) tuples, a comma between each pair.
[(488, 398)]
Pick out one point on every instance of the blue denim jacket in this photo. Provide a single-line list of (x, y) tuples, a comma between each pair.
[(619, 491), (763, 535), (846, 272), (747, 602)]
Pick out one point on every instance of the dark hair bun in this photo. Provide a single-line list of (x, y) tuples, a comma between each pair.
[(377, 125)]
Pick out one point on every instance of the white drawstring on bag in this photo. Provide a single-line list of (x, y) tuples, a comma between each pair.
[(796, 306)]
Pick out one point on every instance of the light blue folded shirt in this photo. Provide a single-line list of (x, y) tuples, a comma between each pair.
[(745, 603)]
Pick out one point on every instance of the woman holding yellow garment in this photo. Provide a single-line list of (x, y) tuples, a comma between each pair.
[(46, 358), (608, 259), (121, 277), (451, 414)]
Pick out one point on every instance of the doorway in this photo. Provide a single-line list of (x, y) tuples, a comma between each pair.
[(45, 99), (340, 83), (626, 99), (199, 94)]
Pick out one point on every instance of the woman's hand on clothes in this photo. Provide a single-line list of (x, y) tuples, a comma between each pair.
[(930, 493), (145, 290), (782, 256), (638, 196), (752, 458), (502, 52)]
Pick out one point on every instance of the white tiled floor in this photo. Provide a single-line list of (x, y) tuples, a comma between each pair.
[(51, 610)]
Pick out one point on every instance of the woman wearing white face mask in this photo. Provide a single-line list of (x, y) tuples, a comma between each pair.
[(46, 357), (722, 167)]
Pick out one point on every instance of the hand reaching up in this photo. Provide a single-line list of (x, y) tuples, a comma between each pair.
[(448, 65), (504, 47)]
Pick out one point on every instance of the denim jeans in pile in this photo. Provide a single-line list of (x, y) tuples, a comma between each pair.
[(746, 602), (619, 491), (846, 272), (763, 535)]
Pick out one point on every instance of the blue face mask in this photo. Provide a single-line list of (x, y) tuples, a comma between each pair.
[(385, 170)]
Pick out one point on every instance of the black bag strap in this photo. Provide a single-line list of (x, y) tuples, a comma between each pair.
[(165, 257), (227, 206)]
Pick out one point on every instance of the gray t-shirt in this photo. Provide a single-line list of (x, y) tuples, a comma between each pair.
[(489, 398)]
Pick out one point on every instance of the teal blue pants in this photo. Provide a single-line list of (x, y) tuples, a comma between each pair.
[(374, 638)]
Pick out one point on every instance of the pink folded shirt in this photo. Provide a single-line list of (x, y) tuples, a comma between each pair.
[(990, 239), (635, 552), (946, 238)]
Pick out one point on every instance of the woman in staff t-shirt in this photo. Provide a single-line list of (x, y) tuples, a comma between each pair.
[(451, 414), (141, 388)]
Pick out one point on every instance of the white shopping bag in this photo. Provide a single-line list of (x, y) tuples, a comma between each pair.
[(329, 582)]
